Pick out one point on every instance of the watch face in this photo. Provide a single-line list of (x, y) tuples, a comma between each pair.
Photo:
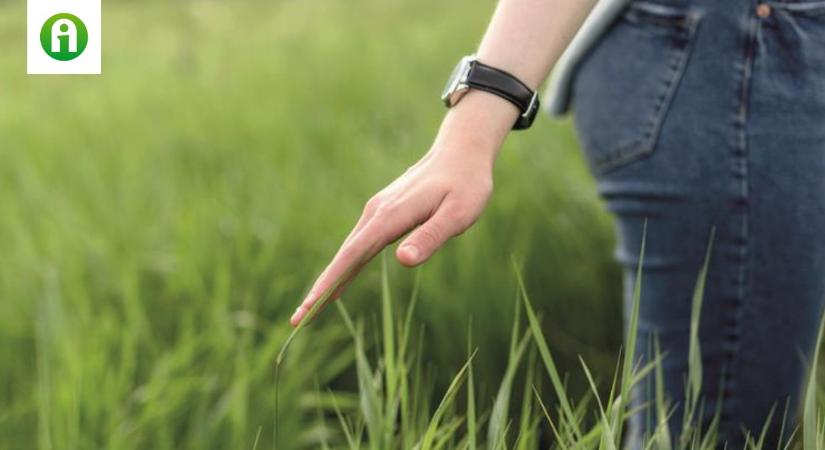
[(456, 78)]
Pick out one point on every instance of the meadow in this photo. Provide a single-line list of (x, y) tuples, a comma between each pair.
[(159, 224)]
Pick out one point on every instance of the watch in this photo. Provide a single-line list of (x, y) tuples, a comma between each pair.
[(470, 73)]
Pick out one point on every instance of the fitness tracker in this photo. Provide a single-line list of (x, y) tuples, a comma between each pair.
[(470, 73)]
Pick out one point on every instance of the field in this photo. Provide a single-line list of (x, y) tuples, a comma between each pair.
[(159, 223)]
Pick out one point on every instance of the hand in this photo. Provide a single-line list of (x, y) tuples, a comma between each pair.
[(439, 197)]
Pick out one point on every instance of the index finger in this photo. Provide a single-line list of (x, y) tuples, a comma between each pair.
[(310, 306), (351, 257)]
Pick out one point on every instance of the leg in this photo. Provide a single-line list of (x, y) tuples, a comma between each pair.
[(740, 148)]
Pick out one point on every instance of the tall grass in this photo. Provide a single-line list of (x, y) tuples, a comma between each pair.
[(158, 222), (593, 422)]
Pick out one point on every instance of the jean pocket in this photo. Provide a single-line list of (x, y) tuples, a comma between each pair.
[(624, 87), (791, 41)]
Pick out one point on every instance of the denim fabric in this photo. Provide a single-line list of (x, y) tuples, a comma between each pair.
[(556, 98), (702, 114)]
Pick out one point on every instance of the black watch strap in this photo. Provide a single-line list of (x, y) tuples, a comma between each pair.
[(507, 86)]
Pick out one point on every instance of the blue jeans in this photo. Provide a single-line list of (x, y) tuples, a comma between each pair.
[(701, 114)]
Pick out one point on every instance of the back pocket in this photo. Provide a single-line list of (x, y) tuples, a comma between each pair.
[(624, 87)]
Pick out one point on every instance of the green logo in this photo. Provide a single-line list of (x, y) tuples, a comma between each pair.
[(64, 37)]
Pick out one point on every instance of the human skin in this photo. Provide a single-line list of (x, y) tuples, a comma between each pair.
[(445, 192)]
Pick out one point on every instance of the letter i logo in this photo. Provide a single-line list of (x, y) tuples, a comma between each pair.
[(64, 37)]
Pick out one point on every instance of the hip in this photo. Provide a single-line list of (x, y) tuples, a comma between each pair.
[(725, 72)]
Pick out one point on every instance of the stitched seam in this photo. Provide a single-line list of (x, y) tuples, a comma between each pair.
[(644, 145), (643, 12), (734, 334), (678, 66)]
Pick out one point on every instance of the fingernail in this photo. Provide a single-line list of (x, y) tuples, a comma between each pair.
[(411, 251), (296, 315)]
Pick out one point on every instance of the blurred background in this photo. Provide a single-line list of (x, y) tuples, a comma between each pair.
[(159, 223)]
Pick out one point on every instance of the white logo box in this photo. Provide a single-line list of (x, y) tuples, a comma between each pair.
[(38, 12)]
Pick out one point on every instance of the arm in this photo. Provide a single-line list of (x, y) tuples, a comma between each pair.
[(444, 193)]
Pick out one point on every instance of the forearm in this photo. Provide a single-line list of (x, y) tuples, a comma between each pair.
[(525, 38), (443, 193)]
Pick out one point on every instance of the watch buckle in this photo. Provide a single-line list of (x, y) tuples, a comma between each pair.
[(532, 106)]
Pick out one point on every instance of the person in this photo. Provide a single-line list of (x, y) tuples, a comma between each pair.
[(695, 117)]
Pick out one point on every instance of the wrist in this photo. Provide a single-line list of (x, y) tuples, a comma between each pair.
[(478, 124)]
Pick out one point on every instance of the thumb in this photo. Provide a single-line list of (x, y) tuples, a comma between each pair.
[(425, 240)]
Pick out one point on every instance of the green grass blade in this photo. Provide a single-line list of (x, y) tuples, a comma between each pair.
[(472, 425), (662, 430), (632, 333), (257, 438), (784, 424), (528, 420), (408, 318), (760, 443), (560, 443), (320, 417), (446, 401), (514, 333), (694, 349), (390, 364), (368, 387), (348, 434), (810, 414), (499, 415), (308, 318), (406, 362), (608, 438), (547, 359)]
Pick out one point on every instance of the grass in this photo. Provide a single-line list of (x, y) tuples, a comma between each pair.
[(159, 223), (373, 422)]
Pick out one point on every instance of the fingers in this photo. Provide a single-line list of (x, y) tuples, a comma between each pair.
[(309, 310), (368, 238), (370, 208), (423, 242), (336, 293), (344, 266), (326, 280)]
